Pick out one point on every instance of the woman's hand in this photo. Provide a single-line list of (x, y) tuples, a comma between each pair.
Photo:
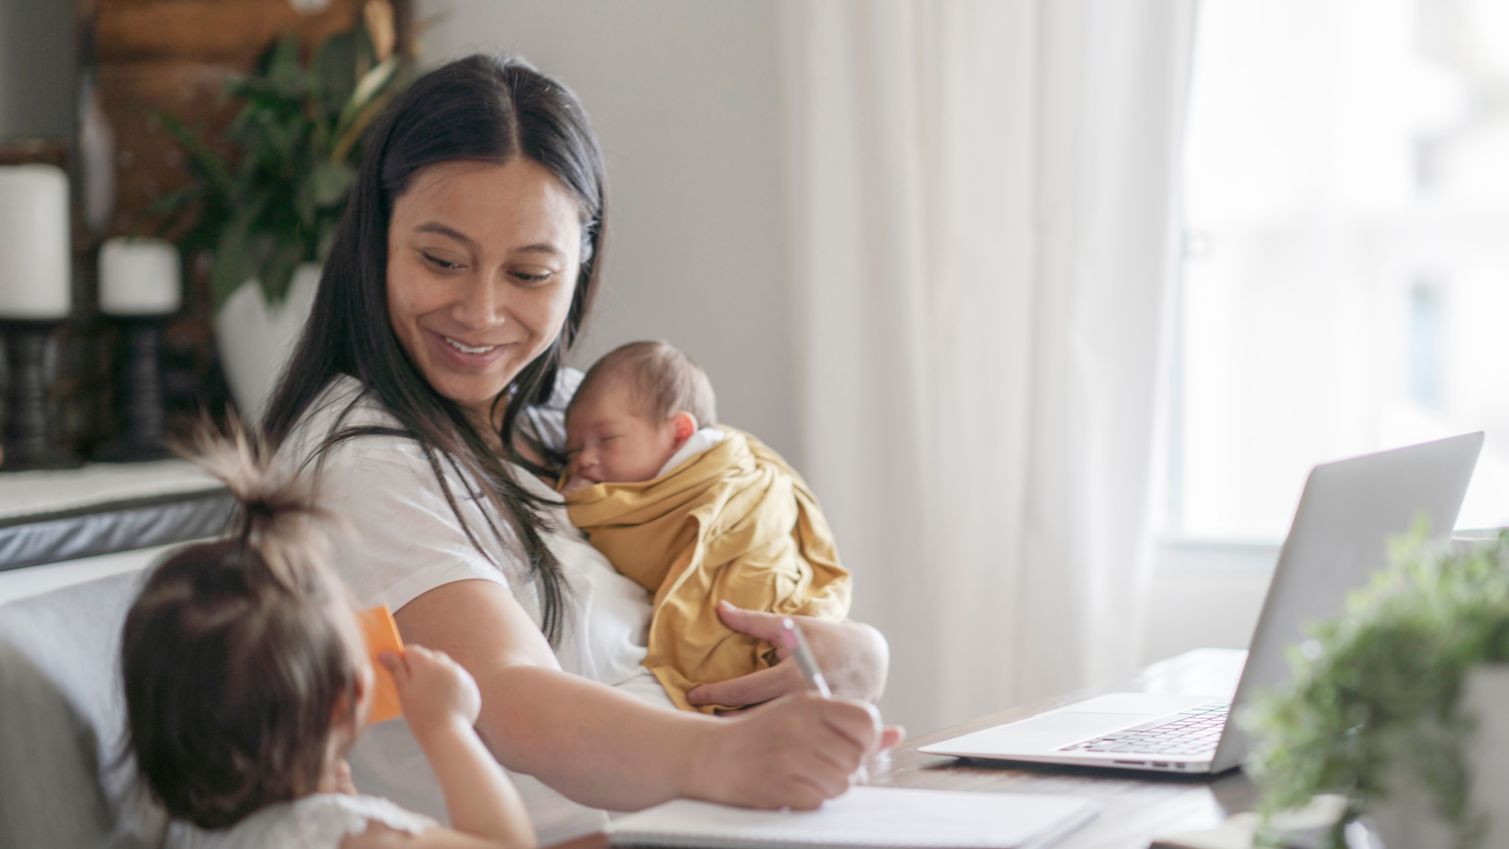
[(794, 753), (854, 658), (433, 689)]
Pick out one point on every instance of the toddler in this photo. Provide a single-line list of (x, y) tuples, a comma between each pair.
[(693, 511), (247, 681)]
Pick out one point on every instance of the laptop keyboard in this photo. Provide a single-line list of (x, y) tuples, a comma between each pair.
[(1191, 732)]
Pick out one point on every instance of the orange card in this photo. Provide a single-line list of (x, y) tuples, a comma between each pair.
[(381, 633)]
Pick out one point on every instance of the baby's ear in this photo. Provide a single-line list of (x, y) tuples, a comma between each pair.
[(685, 424)]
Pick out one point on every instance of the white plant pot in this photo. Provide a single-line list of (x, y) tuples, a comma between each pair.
[(255, 340), (1407, 819)]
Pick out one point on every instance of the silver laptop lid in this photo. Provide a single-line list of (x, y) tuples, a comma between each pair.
[(1349, 511)]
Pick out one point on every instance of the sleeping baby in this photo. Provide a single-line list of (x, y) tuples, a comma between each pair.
[(695, 512)]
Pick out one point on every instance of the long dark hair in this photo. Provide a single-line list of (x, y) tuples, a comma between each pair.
[(485, 109)]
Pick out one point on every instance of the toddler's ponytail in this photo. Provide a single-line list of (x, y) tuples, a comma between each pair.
[(240, 659), (277, 510)]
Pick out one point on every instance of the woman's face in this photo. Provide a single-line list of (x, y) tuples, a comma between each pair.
[(482, 264)]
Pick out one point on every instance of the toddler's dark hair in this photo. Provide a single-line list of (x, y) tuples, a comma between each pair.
[(661, 380), (234, 667)]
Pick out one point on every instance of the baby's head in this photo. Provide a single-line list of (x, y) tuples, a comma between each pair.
[(245, 675), (635, 407)]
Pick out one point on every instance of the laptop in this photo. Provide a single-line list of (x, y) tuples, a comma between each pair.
[(1348, 512)]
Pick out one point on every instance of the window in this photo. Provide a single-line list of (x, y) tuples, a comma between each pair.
[(1346, 275)]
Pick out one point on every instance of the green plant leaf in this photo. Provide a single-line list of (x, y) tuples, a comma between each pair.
[(370, 86), (330, 181), (174, 201), (282, 71), (350, 139), (335, 69), (323, 246), (296, 138), (212, 166), (1379, 686), (277, 272), (232, 266), (260, 110)]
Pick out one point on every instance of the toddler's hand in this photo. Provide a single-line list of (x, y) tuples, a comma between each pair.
[(343, 783), (432, 688)]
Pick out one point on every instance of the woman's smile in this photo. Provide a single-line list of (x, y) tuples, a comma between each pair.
[(465, 357)]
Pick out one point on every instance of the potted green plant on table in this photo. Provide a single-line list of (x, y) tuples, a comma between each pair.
[(265, 216), (1402, 704)]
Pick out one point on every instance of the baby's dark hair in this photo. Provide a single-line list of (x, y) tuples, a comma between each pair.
[(234, 666), (662, 381)]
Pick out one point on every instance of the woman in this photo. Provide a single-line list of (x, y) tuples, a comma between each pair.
[(461, 273)]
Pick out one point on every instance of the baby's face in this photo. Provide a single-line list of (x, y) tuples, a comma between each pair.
[(608, 438)]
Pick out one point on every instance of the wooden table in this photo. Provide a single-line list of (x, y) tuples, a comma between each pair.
[(1135, 807)]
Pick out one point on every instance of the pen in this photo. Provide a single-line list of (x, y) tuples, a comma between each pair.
[(807, 663), (804, 659)]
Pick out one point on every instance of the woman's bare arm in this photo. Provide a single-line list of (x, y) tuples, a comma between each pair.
[(610, 750)]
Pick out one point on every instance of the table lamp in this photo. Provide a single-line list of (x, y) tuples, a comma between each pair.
[(139, 289), (36, 270)]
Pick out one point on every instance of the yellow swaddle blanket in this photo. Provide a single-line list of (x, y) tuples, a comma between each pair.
[(734, 522)]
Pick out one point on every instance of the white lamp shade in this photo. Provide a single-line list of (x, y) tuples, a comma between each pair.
[(139, 277), (36, 264)]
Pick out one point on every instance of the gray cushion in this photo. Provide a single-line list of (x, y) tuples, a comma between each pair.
[(63, 781)]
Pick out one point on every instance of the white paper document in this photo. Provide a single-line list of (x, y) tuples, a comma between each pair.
[(879, 817)]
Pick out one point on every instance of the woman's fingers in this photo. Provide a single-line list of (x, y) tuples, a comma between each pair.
[(858, 727), (758, 686), (757, 624), (854, 657), (794, 752), (827, 753), (840, 755), (826, 741), (813, 790), (891, 737), (857, 724)]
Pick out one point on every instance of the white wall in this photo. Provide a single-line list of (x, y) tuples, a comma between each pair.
[(1205, 596), (685, 99)]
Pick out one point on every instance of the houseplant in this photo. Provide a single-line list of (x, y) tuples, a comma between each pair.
[(1399, 705), (265, 215)]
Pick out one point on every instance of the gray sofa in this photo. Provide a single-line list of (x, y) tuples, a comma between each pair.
[(62, 780)]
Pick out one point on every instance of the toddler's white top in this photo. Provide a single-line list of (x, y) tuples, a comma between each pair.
[(320, 821)]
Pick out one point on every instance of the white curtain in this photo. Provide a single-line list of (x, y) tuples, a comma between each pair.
[(983, 219)]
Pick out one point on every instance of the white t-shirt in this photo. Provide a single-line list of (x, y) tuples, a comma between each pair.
[(404, 540)]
